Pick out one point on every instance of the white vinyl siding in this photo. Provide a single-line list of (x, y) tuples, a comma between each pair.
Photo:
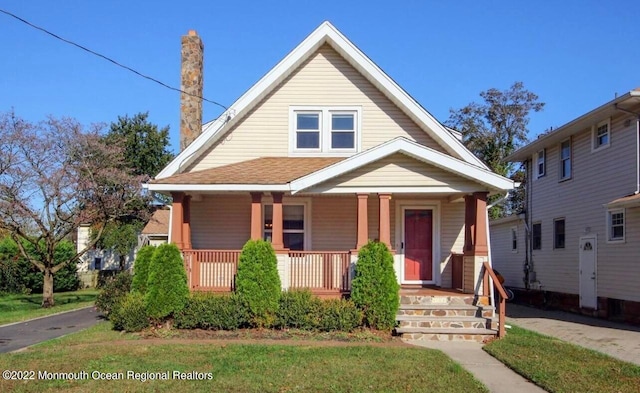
[(509, 263), (597, 180), (397, 170), (325, 79)]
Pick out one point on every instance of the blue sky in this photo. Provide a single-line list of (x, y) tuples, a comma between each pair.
[(574, 54)]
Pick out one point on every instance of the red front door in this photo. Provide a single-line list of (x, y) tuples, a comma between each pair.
[(418, 249)]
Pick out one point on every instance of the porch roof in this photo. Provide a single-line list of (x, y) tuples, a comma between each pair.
[(265, 170), (627, 201)]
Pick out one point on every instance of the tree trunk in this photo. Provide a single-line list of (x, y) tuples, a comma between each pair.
[(47, 289)]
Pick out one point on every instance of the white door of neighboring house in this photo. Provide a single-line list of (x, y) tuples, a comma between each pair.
[(588, 269)]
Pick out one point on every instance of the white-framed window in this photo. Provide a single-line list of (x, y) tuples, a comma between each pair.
[(294, 226), (558, 233), (601, 135), (514, 239), (615, 225), (565, 160), (540, 163), (536, 236), (324, 130)]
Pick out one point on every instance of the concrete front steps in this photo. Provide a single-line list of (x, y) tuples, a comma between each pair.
[(443, 316)]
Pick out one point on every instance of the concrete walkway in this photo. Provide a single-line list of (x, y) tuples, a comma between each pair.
[(614, 339), (497, 377), (23, 334)]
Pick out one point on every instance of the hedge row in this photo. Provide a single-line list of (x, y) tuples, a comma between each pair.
[(296, 309)]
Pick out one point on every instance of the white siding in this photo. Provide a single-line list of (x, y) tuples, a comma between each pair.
[(597, 178), (397, 170), (325, 79), (508, 262)]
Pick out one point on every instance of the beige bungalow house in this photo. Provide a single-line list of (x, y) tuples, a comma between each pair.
[(322, 154)]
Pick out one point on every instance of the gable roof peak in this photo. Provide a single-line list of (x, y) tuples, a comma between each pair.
[(325, 33)]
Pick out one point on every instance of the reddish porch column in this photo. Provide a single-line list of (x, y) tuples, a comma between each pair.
[(256, 215), (385, 219), (177, 219), (481, 238), (186, 225), (475, 224), (277, 239), (363, 224)]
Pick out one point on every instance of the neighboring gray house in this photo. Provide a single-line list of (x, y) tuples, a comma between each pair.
[(578, 242)]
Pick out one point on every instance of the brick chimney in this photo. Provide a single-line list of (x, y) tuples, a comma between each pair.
[(191, 82)]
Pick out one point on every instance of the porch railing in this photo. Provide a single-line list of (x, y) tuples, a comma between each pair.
[(489, 275), (211, 270), (320, 270)]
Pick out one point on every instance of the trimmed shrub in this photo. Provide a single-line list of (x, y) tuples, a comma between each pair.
[(299, 309), (212, 312), (141, 269), (375, 287), (114, 290), (129, 314), (167, 290), (340, 315), (258, 282)]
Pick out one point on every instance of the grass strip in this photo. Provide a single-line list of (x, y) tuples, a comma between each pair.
[(16, 308), (234, 367), (558, 366)]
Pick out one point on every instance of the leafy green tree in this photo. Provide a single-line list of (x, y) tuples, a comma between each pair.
[(145, 146), (495, 128), (375, 288)]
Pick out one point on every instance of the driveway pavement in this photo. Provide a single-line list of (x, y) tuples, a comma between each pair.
[(615, 339), (23, 334)]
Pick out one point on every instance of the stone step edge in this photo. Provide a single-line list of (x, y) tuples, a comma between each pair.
[(452, 318), (444, 307), (426, 330)]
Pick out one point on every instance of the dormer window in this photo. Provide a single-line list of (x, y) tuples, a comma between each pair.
[(324, 130)]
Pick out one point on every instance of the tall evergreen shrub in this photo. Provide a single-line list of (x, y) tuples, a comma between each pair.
[(141, 269), (258, 283), (375, 287), (167, 290)]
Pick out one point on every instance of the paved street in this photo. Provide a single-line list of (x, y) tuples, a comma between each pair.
[(24, 334)]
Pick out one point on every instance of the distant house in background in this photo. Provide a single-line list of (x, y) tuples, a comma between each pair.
[(578, 243), (156, 232), (96, 260)]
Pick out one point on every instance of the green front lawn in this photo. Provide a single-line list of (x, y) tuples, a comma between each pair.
[(15, 308), (239, 366), (558, 366)]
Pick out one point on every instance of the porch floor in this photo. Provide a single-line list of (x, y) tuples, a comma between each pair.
[(409, 290)]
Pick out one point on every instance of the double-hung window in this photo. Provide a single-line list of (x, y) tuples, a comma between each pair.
[(565, 160), (324, 130), (601, 135), (293, 227), (615, 225), (558, 233), (536, 236), (540, 163)]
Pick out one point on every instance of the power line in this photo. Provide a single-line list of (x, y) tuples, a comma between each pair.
[(108, 59)]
